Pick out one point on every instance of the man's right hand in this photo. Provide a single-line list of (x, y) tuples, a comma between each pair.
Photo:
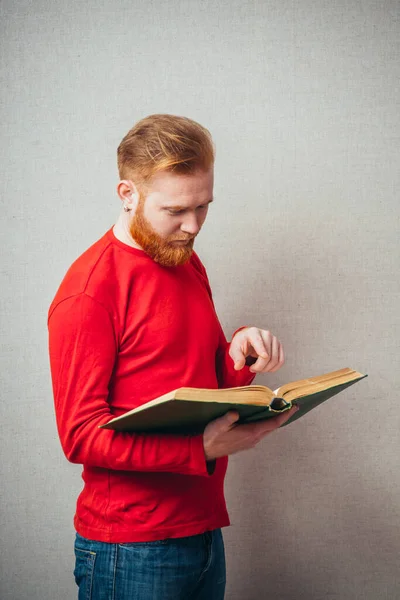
[(223, 437)]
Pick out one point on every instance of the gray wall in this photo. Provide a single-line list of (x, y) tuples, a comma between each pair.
[(302, 99)]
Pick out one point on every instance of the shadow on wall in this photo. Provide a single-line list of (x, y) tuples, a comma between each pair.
[(320, 529)]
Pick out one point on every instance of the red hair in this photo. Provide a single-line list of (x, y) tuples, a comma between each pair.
[(164, 143)]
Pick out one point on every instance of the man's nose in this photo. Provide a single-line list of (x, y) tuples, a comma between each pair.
[(191, 224)]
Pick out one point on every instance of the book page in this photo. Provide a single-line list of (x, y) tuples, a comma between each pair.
[(326, 380)]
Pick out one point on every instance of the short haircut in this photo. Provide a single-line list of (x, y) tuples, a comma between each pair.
[(164, 142)]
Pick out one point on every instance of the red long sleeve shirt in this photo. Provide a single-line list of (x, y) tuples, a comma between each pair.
[(124, 330)]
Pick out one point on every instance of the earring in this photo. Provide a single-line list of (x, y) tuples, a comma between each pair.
[(126, 208)]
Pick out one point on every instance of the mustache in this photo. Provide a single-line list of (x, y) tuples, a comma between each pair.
[(189, 239)]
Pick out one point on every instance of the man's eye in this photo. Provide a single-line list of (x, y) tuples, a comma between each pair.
[(175, 212)]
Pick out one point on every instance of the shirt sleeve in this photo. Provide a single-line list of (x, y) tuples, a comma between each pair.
[(224, 364), (83, 350)]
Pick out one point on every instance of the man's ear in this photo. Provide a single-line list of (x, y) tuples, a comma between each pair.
[(129, 194)]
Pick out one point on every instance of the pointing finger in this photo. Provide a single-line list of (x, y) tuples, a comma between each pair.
[(258, 344)]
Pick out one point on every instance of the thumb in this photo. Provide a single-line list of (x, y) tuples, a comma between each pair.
[(229, 419), (238, 358), (239, 364)]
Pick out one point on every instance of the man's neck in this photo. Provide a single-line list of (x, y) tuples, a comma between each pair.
[(121, 231)]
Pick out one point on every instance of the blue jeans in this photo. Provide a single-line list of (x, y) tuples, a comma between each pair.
[(188, 568)]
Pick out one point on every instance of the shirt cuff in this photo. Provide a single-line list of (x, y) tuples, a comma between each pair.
[(200, 465)]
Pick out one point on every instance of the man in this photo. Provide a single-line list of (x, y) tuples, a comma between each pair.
[(132, 320)]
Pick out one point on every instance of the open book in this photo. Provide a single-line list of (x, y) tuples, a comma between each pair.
[(189, 410)]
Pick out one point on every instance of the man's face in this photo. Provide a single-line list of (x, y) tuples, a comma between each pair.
[(168, 219)]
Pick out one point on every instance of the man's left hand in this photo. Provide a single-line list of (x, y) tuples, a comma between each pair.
[(260, 344)]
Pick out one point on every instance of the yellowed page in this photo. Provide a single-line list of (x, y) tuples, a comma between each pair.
[(294, 385), (314, 387)]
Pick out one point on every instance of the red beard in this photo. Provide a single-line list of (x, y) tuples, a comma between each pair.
[(160, 249)]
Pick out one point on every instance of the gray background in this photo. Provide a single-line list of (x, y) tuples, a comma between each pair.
[(302, 99)]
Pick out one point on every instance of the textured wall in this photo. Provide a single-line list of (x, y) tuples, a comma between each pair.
[(303, 100)]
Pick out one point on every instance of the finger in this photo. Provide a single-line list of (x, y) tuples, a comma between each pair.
[(225, 423), (273, 363), (230, 418), (275, 422), (280, 361), (274, 355), (237, 354), (265, 361), (259, 365), (256, 340), (239, 363)]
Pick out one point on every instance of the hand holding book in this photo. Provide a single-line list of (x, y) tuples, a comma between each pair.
[(223, 436)]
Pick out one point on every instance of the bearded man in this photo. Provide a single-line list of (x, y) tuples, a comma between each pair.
[(134, 319)]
